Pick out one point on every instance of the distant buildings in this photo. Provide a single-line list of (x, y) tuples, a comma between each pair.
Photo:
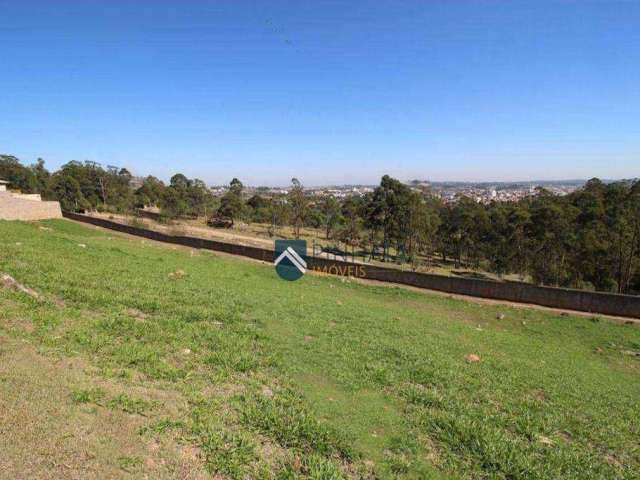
[(483, 193), (336, 191), (340, 192), (449, 192)]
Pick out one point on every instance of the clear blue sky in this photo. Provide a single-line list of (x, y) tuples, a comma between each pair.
[(327, 91)]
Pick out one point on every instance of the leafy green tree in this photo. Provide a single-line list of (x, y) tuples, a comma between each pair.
[(279, 214), (150, 192), (592, 243), (19, 177), (236, 186), (231, 206), (41, 176), (622, 204), (258, 208), (179, 182), (67, 190), (519, 219), (351, 230), (386, 211), (298, 206), (552, 233), (331, 215), (421, 225), (172, 203)]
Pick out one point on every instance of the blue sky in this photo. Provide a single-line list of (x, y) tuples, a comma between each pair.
[(326, 91)]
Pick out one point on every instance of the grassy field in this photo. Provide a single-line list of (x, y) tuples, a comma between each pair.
[(144, 360)]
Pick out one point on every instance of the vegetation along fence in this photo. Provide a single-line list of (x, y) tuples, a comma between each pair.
[(586, 301)]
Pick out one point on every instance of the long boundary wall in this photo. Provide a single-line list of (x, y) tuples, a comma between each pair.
[(570, 299)]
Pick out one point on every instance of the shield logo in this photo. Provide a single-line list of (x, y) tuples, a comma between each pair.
[(290, 259)]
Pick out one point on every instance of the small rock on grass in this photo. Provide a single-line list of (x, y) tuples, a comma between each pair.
[(8, 281), (177, 274), (135, 313), (472, 358), (545, 440)]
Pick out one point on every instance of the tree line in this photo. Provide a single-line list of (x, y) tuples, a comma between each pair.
[(589, 238)]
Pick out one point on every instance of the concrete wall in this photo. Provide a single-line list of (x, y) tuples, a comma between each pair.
[(17, 207), (35, 197), (595, 302)]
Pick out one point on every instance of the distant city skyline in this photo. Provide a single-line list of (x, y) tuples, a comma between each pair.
[(331, 92), (287, 183)]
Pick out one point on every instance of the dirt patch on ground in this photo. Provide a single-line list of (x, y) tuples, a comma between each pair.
[(45, 433), (230, 236)]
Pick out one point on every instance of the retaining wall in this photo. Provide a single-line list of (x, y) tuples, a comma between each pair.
[(570, 299), (27, 207)]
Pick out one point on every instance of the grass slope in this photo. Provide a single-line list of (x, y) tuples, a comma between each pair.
[(216, 360)]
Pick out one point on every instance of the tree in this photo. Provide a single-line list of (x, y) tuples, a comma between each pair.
[(19, 177), (331, 215), (172, 203), (198, 198), (592, 247), (552, 232), (279, 213), (622, 203), (150, 192), (259, 209), (179, 182), (236, 186), (351, 230), (421, 225), (67, 191), (231, 206), (41, 176), (386, 211), (519, 218), (298, 206)]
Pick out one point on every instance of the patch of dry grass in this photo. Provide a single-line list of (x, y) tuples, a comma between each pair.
[(46, 434)]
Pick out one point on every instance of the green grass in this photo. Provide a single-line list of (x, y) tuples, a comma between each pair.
[(322, 378)]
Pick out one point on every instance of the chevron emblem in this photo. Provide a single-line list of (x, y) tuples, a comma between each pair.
[(294, 258), (289, 258)]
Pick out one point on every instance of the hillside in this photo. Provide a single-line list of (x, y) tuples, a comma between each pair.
[(139, 359)]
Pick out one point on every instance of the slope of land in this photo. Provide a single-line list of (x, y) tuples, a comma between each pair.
[(163, 362)]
